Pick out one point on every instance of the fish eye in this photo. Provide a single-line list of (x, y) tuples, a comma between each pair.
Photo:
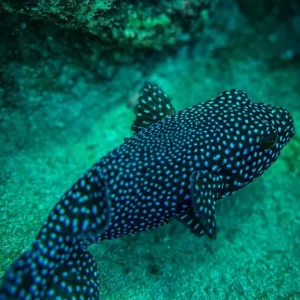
[(269, 141)]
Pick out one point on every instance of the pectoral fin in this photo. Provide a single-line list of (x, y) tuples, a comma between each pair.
[(205, 190), (190, 220)]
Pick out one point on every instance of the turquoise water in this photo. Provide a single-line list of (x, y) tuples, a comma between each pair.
[(59, 114)]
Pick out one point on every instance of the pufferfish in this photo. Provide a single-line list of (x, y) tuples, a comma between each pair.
[(175, 166)]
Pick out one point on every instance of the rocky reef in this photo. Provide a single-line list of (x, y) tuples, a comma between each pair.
[(124, 24)]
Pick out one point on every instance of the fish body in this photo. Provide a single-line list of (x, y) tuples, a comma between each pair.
[(175, 166)]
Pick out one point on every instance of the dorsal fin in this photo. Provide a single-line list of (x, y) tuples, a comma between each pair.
[(153, 106)]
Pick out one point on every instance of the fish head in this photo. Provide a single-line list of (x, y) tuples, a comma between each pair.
[(281, 125), (252, 137), (271, 129)]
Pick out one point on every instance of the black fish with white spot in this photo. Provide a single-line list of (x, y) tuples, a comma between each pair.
[(175, 166)]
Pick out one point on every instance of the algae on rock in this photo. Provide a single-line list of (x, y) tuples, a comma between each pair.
[(124, 24)]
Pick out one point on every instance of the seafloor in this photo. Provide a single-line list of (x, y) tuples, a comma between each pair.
[(50, 137)]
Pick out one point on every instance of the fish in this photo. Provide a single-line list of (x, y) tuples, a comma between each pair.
[(176, 166)]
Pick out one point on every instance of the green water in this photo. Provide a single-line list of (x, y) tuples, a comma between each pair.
[(51, 134)]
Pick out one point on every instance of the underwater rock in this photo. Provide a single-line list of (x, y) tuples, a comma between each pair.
[(127, 24)]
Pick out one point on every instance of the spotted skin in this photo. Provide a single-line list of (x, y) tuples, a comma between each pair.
[(175, 166), (59, 266)]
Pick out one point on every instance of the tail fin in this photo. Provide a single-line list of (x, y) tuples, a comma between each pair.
[(75, 277), (59, 266)]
